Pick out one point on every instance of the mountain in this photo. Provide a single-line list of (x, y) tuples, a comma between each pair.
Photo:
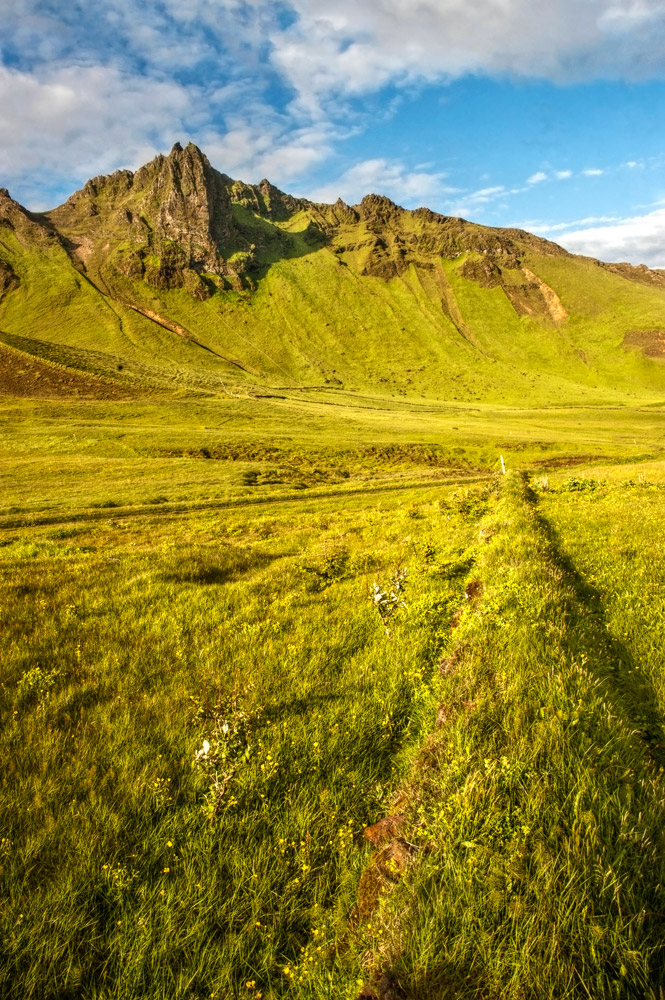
[(179, 278)]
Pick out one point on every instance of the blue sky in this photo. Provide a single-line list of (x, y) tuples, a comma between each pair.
[(544, 115)]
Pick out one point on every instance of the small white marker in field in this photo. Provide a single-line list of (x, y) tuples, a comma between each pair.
[(503, 465)]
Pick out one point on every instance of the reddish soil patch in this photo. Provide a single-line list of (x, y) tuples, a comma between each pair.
[(650, 342), (23, 375), (384, 830)]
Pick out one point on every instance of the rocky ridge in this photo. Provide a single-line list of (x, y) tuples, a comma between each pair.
[(177, 222)]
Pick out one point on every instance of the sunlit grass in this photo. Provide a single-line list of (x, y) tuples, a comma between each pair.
[(116, 882), (537, 803)]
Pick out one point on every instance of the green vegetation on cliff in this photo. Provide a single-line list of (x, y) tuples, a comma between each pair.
[(227, 287)]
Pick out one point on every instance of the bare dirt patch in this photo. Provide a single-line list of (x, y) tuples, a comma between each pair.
[(22, 375), (650, 342)]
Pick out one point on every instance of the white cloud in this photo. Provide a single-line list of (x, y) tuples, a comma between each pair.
[(88, 118), (264, 147), (593, 172), (380, 176), (638, 240), (358, 46), (96, 86), (466, 205), (541, 228), (563, 175), (537, 178)]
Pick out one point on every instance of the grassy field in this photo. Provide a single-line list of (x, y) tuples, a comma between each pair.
[(536, 804), (126, 645), (204, 703)]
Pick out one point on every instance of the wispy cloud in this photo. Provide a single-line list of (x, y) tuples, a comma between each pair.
[(537, 178), (409, 188), (543, 228), (639, 239), (359, 45), (593, 172)]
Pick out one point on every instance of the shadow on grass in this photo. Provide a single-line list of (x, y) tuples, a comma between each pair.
[(299, 706), (629, 689), (225, 567)]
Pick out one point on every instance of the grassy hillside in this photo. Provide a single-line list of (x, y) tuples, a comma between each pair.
[(301, 697), (147, 646), (181, 276)]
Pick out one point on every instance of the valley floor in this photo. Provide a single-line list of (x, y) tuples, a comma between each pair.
[(205, 701)]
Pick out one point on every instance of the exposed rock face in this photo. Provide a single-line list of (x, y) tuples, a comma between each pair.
[(175, 199), (172, 224), (640, 273), (529, 295), (194, 204), (8, 278), (485, 272), (266, 200), (28, 227)]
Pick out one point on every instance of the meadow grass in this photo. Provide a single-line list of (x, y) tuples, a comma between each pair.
[(116, 883), (170, 567), (65, 456), (536, 805)]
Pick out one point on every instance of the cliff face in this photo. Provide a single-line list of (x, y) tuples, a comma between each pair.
[(188, 201), (167, 223)]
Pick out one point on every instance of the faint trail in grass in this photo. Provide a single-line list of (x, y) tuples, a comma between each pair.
[(536, 804), (10, 523)]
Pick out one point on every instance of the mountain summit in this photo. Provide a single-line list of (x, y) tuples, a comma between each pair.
[(179, 268)]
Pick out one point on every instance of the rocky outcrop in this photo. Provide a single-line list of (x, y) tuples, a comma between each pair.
[(650, 342), (194, 207), (529, 294), (9, 280), (29, 228), (641, 273)]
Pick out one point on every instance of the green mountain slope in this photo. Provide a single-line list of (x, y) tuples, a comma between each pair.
[(177, 277)]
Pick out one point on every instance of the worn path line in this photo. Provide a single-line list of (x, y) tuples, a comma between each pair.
[(104, 513)]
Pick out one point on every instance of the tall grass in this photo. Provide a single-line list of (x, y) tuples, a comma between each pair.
[(115, 883), (537, 804)]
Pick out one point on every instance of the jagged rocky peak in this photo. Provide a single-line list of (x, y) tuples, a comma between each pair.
[(116, 183), (185, 199), (265, 199), (376, 207), (8, 204), (181, 195), (341, 213)]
